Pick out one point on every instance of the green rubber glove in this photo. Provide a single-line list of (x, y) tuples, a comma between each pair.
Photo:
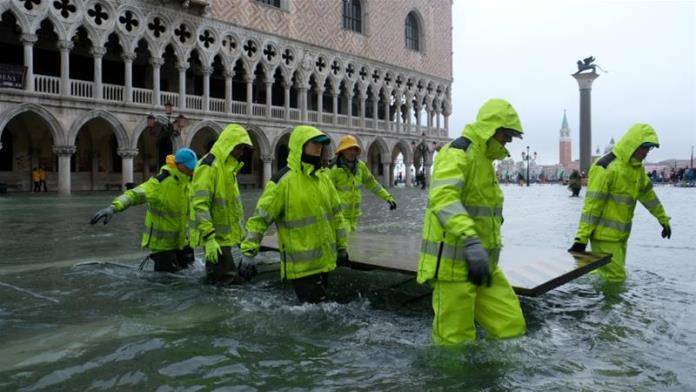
[(212, 251)]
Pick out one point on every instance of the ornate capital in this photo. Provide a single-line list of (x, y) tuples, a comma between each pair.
[(207, 70), (97, 51), (65, 45), (182, 66), (156, 61), (267, 159), (64, 150), (585, 80), (129, 57), (127, 153), (228, 73), (29, 38)]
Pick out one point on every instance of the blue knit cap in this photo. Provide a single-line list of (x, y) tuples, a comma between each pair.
[(186, 157)]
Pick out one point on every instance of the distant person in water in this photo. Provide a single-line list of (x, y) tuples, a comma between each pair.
[(616, 181), (575, 183)]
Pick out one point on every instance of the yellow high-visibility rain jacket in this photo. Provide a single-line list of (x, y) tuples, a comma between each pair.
[(305, 206), (616, 181), (217, 208), (465, 199), (349, 186), (167, 196)]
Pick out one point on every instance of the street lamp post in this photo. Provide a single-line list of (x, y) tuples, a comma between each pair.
[(527, 157), (169, 129)]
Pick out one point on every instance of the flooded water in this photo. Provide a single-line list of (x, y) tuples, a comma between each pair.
[(76, 314)]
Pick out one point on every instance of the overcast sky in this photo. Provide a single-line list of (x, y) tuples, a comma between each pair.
[(525, 51)]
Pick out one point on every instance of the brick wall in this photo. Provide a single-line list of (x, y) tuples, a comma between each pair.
[(320, 22)]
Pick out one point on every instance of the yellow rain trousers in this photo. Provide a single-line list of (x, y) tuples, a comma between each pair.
[(466, 201)]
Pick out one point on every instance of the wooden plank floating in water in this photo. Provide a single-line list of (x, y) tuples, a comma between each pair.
[(531, 271)]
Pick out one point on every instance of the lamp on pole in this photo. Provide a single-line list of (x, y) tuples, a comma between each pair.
[(526, 157), (169, 129), (422, 149)]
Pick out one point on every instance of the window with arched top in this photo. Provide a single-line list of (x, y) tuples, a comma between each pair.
[(412, 32), (352, 15)]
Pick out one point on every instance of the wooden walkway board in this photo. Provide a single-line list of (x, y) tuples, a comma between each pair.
[(531, 271)]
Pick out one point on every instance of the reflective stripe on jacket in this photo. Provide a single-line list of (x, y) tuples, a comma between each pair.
[(349, 187), (616, 181), (216, 204), (166, 219), (306, 209), (465, 199)]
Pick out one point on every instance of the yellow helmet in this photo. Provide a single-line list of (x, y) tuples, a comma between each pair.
[(347, 142)]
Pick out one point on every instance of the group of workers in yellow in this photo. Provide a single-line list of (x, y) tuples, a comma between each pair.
[(197, 203)]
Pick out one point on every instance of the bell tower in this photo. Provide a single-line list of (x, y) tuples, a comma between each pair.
[(564, 143)]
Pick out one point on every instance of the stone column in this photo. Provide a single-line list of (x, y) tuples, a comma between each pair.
[(320, 104), (334, 96), (302, 98), (426, 173), (397, 111), (269, 96), (437, 119), (156, 63), (228, 90), (349, 108), (418, 109), (385, 174), (286, 85), (65, 47), (409, 179), (64, 153), (585, 85), (249, 94), (375, 109), (363, 99), (127, 156), (387, 115), (207, 71), (182, 67), (29, 40), (97, 53), (128, 65), (267, 165), (409, 110)]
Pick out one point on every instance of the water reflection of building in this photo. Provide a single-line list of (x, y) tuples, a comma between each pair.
[(95, 69)]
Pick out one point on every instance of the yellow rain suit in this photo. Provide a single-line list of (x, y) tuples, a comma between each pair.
[(306, 209), (349, 185), (466, 201), (616, 181), (216, 204), (167, 197)]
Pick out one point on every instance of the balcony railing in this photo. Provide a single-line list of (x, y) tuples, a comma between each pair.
[(47, 84), (81, 88), (142, 96), (51, 85), (112, 92), (217, 105)]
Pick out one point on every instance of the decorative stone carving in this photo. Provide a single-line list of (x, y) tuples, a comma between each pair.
[(127, 153), (64, 150)]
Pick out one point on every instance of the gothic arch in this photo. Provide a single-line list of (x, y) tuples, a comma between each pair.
[(54, 125), (20, 17), (193, 130), (404, 148), (58, 27), (117, 127), (259, 136)]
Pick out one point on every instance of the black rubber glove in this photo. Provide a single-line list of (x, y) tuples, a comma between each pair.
[(666, 231), (392, 204), (577, 246), (247, 267), (105, 213), (342, 259), (477, 262)]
